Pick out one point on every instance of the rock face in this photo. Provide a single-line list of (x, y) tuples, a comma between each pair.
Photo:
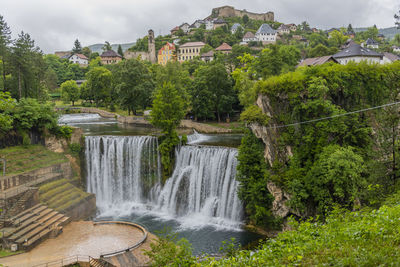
[(273, 151)]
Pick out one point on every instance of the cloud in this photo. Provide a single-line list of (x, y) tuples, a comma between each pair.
[(56, 24)]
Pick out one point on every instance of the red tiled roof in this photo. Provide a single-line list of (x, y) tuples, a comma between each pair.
[(248, 35), (175, 29), (224, 47), (81, 56)]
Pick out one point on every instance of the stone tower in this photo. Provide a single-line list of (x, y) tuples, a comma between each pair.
[(152, 47)]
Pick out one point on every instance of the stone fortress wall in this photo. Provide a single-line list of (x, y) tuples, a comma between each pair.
[(229, 11)]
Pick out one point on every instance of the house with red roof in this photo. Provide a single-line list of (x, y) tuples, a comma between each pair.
[(224, 48)]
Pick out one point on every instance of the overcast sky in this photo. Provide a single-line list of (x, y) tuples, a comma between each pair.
[(55, 24)]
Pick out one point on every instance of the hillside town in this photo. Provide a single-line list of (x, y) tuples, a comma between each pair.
[(255, 32)]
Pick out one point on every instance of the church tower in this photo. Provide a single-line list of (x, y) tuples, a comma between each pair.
[(152, 47)]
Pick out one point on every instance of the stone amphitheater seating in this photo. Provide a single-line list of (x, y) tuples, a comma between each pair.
[(33, 225)]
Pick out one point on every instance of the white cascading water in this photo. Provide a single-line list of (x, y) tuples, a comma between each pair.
[(125, 173)]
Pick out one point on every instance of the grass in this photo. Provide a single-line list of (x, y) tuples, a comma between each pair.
[(5, 253), (27, 158), (61, 194)]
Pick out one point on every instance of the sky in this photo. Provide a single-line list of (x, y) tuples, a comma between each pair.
[(55, 24)]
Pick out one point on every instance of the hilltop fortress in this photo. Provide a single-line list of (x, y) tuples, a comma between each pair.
[(230, 11)]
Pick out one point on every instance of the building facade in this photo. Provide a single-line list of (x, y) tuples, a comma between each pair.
[(266, 34), (80, 59), (110, 57), (166, 53), (189, 51)]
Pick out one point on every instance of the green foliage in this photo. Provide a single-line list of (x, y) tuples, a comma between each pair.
[(77, 49), (70, 91), (229, 248), (62, 131), (164, 251), (99, 85), (335, 161), (253, 176), (366, 238), (6, 105), (253, 114), (168, 110), (29, 114), (133, 84), (212, 92)]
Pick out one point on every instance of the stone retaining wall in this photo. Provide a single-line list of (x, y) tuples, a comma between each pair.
[(10, 181), (83, 210)]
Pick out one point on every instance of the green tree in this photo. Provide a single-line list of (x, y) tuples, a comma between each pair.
[(336, 178), (86, 51), (5, 41), (24, 54), (120, 52), (70, 91), (350, 28), (212, 92), (77, 49), (6, 105), (133, 84), (169, 251), (167, 112), (245, 19), (253, 177), (99, 85), (107, 46)]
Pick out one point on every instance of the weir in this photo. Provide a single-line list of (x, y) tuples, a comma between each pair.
[(125, 172)]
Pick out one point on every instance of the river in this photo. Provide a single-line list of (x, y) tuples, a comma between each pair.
[(199, 201)]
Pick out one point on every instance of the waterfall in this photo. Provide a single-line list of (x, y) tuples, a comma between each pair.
[(125, 174)]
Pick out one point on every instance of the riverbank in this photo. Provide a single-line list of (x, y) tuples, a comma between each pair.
[(206, 128)]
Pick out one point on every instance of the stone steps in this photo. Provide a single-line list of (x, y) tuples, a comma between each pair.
[(32, 219), (34, 225)]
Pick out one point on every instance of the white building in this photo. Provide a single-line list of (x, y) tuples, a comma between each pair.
[(396, 49), (247, 38), (235, 27), (209, 24), (185, 27), (389, 58), (266, 34), (355, 53), (370, 43), (283, 29), (79, 59)]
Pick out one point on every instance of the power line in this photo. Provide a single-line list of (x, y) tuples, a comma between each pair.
[(334, 116)]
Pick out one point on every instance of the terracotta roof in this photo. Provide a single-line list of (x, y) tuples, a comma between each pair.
[(354, 50), (316, 61), (110, 53), (224, 47), (191, 44), (208, 54), (248, 35), (175, 29), (81, 56)]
